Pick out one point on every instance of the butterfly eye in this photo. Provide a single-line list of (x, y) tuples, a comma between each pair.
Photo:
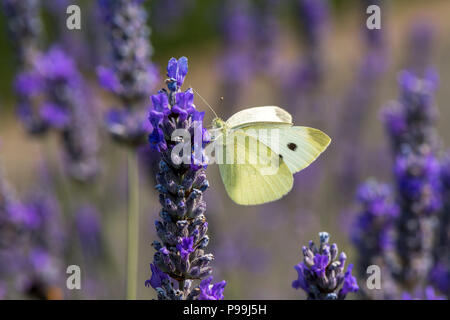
[(292, 146)]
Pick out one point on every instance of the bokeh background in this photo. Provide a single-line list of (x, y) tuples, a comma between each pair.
[(326, 69)]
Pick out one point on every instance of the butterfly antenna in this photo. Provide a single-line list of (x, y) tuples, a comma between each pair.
[(203, 99)]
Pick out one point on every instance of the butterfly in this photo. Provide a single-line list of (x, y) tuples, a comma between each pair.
[(254, 139)]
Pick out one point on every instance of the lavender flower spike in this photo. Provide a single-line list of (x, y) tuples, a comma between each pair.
[(24, 26), (66, 109), (410, 122), (321, 274), (180, 252), (130, 76), (372, 234), (440, 275)]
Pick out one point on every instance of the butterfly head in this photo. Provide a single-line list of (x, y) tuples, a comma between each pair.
[(218, 123), (218, 128)]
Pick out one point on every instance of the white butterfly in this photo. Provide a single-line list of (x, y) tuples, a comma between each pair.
[(248, 182)]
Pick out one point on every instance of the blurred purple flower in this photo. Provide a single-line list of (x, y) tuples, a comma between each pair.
[(314, 17), (427, 294), (28, 84), (373, 234), (418, 182), (89, 229), (24, 27), (55, 116), (108, 79), (131, 76), (410, 123), (421, 42), (67, 110)]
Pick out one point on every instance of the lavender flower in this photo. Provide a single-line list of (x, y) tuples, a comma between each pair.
[(372, 234), (372, 230), (67, 111), (410, 121), (358, 100), (266, 35), (46, 246), (440, 275), (88, 226), (410, 124), (236, 64), (427, 294), (211, 292), (313, 16), (321, 274), (24, 26), (421, 40), (131, 76), (30, 244), (182, 229)]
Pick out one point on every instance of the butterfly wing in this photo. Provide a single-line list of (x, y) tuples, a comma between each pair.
[(252, 116), (298, 146), (250, 183)]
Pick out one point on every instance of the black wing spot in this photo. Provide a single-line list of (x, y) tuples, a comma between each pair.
[(292, 146), (281, 157)]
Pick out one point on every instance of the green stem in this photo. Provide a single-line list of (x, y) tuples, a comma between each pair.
[(133, 225)]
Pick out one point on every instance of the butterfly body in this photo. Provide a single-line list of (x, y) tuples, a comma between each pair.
[(260, 151)]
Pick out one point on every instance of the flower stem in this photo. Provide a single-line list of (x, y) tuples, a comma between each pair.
[(133, 225)]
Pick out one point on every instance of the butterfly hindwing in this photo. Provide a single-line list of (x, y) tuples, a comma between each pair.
[(250, 183)]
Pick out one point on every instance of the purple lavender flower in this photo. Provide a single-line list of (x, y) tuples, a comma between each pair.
[(410, 122), (373, 227), (321, 274), (131, 76), (266, 35), (372, 234), (24, 26), (427, 294), (31, 243), (185, 247), (182, 229), (313, 15), (157, 279), (421, 41), (66, 110), (236, 64), (211, 292), (88, 226), (440, 275), (419, 198), (359, 99)]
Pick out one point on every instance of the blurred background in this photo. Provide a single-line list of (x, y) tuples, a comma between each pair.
[(316, 59)]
